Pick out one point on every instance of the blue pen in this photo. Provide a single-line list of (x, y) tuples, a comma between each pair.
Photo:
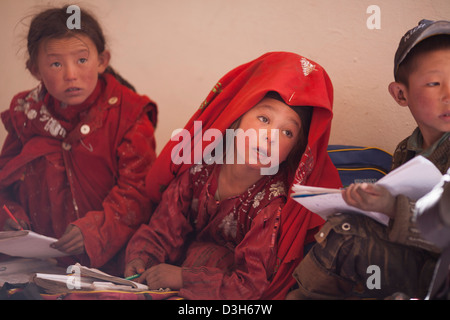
[(308, 195)]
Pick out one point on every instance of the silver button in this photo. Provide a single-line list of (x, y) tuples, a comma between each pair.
[(346, 226), (113, 100), (85, 129)]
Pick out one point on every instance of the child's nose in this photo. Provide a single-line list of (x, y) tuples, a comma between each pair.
[(271, 135), (446, 93), (70, 73)]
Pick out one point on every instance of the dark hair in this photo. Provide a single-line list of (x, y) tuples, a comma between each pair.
[(52, 24), (408, 65), (294, 157)]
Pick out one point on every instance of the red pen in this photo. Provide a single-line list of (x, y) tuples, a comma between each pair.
[(11, 216)]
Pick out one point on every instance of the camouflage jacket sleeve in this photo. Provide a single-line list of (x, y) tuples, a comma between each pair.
[(402, 229)]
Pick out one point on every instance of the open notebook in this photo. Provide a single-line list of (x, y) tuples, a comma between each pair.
[(85, 279), (414, 179)]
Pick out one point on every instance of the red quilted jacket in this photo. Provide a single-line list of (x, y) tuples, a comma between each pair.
[(86, 168)]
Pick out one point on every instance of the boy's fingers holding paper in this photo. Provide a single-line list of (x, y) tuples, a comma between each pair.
[(350, 195), (360, 195), (369, 197)]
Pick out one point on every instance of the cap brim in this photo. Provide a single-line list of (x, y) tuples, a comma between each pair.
[(436, 28)]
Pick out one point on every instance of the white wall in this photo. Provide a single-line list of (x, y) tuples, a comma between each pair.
[(175, 50)]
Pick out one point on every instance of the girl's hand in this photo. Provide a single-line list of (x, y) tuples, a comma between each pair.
[(11, 225), (136, 266), (71, 242), (162, 276), (370, 197)]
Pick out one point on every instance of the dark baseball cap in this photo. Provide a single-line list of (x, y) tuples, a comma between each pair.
[(425, 29)]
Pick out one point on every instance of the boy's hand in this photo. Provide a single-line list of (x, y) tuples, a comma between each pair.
[(71, 242), (370, 197), (162, 276)]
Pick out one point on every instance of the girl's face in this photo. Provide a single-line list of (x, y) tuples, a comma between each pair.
[(69, 68), (278, 128)]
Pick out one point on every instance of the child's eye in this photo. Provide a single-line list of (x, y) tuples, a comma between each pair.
[(433, 84), (82, 60), (55, 64), (288, 133), (263, 119)]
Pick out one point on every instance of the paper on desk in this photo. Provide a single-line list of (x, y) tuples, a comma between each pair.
[(28, 244), (85, 279), (414, 179)]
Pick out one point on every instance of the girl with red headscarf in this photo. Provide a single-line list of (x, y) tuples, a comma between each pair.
[(224, 230)]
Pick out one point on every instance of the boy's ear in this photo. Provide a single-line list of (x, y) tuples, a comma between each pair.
[(398, 91), (103, 61)]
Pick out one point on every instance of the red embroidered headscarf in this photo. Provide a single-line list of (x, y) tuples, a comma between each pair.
[(300, 82)]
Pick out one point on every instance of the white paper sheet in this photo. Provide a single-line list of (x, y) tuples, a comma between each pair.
[(28, 244), (414, 179)]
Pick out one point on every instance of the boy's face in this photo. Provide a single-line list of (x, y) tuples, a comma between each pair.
[(428, 94)]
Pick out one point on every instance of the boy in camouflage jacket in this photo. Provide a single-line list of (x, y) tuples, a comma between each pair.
[(349, 246)]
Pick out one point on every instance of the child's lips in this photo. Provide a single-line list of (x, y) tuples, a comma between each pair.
[(72, 89), (261, 152), (445, 116)]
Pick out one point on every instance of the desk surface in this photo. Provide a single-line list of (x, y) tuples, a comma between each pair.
[(20, 270)]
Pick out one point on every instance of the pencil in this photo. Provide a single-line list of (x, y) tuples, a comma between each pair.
[(11, 216), (137, 275)]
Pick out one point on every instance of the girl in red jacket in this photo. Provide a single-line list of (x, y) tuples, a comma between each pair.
[(226, 230), (78, 146)]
